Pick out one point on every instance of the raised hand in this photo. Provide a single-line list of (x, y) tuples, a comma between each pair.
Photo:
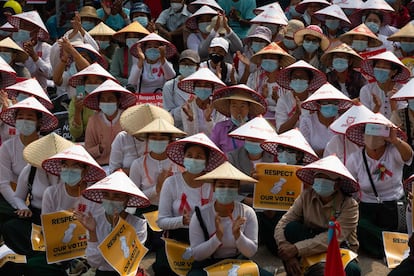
[(236, 226), (219, 228)]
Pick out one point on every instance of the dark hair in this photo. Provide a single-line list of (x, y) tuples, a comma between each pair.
[(308, 72), (205, 149), (377, 13), (394, 66), (117, 95)]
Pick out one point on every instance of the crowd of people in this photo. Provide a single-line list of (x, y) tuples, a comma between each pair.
[(169, 106)]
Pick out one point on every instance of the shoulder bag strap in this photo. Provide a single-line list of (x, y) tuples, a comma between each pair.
[(369, 175), (30, 181), (201, 221)]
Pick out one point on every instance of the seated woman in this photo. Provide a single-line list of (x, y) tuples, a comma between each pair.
[(334, 21), (225, 228), (7, 74), (360, 39), (181, 192), (15, 56), (84, 82), (303, 231), (405, 37), (153, 69), (29, 117), (110, 99), (326, 103), (343, 61), (239, 104), (378, 167), (114, 199), (198, 114)]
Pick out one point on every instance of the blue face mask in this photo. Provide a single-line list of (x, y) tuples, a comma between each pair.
[(202, 92), (332, 24), (287, 157), (407, 47), (238, 122), (359, 45), (108, 108), (186, 70), (7, 56), (226, 195), (87, 25), (103, 44), (310, 47), (21, 36), (289, 43), (131, 41), (253, 147), (202, 26), (374, 27), (323, 187), (90, 87), (298, 85), (71, 176), (390, 1), (143, 20), (194, 166), (269, 65), (340, 64), (26, 127), (112, 207), (152, 53), (21, 96), (411, 104), (381, 74), (257, 46), (157, 146), (329, 110)]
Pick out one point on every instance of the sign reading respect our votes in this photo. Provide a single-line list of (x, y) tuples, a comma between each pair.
[(278, 186), (65, 237)]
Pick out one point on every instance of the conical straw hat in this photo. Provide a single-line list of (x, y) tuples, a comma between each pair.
[(8, 75), (334, 11), (92, 52), (256, 128), (285, 59), (406, 31), (101, 29), (315, 31), (78, 153), (326, 92), (136, 117), (202, 74), (350, 117), (327, 57), (405, 93), (175, 151), (117, 182), (226, 171), (303, 5), (211, 3), (292, 138), (159, 125), (191, 22), (134, 27), (31, 87), (21, 55), (93, 69), (274, 5), (170, 51), (45, 147), (271, 15), (331, 165), (32, 17), (373, 40)]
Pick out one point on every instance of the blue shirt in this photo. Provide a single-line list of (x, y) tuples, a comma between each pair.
[(116, 22), (245, 9)]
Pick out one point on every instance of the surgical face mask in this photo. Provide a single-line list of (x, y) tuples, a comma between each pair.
[(332, 24), (310, 46), (143, 20), (194, 166), (21, 36), (152, 53), (71, 176), (131, 41), (373, 142), (359, 45), (340, 64), (287, 157), (226, 195), (88, 25), (257, 46), (407, 47), (202, 92), (323, 187), (90, 87), (289, 43), (4, 33), (293, 12), (157, 146), (112, 207), (411, 104), (103, 44), (202, 26), (298, 85), (187, 70), (381, 74), (25, 127), (374, 27), (253, 147), (7, 56), (329, 110), (269, 65), (108, 108), (176, 6), (238, 121), (216, 58), (21, 96)]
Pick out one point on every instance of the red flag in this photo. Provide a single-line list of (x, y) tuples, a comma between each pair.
[(334, 266)]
